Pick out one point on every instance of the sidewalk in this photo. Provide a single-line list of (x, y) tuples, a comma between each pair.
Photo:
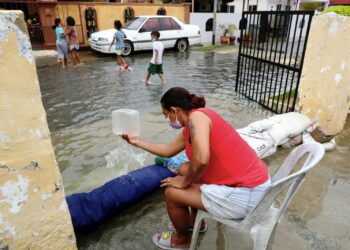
[(217, 48), (45, 58), (227, 49)]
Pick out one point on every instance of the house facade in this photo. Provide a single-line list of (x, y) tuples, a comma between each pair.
[(230, 12), (89, 16)]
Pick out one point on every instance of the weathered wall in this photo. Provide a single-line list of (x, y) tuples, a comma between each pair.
[(108, 12), (324, 92), (200, 20), (33, 210)]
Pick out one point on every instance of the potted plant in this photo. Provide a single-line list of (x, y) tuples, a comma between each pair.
[(225, 39), (247, 37), (231, 30)]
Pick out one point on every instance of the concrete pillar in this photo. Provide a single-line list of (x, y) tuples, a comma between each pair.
[(324, 92), (326, 5), (186, 8), (33, 209)]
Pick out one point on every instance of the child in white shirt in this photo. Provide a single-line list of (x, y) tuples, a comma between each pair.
[(156, 65)]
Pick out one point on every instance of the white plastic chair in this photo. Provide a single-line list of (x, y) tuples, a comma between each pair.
[(261, 222)]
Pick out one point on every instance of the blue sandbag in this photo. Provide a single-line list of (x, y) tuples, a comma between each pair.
[(88, 210)]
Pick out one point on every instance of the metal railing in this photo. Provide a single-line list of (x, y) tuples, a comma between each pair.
[(271, 55), (36, 35)]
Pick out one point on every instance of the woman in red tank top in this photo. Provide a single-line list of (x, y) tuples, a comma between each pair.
[(224, 175)]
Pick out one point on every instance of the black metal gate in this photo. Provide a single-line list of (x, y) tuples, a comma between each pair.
[(271, 54)]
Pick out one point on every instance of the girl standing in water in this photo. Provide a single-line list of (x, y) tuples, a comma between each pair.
[(118, 38), (61, 43), (73, 40)]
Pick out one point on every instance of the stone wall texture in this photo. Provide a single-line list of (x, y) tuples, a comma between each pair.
[(324, 92), (33, 210)]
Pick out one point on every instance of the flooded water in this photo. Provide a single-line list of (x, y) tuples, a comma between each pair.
[(79, 105)]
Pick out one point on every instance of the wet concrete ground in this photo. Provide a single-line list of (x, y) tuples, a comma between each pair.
[(79, 102)]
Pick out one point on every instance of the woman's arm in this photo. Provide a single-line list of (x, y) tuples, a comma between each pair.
[(199, 126), (165, 150), (62, 33), (110, 46), (68, 35), (69, 31), (156, 57)]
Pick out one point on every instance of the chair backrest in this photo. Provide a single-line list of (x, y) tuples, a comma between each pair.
[(283, 179)]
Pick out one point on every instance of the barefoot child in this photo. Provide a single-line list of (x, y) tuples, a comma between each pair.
[(73, 40), (61, 43), (118, 38), (156, 65)]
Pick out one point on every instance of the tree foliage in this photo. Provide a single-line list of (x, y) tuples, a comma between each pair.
[(311, 6), (340, 10)]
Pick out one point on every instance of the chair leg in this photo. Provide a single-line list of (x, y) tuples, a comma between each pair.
[(196, 228), (272, 238), (262, 238)]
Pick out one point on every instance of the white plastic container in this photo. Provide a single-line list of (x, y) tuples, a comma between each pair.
[(126, 121)]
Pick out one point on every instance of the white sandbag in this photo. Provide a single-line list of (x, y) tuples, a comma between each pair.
[(265, 135), (287, 125), (261, 125), (260, 142)]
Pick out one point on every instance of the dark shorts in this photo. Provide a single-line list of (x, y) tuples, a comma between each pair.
[(155, 69)]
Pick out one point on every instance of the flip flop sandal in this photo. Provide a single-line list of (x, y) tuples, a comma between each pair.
[(172, 228), (163, 241), (120, 70)]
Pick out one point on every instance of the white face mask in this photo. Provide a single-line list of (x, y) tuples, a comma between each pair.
[(174, 125)]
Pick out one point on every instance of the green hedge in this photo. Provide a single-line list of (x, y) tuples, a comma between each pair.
[(340, 10), (311, 6)]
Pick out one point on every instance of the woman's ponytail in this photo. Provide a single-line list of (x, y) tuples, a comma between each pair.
[(197, 102)]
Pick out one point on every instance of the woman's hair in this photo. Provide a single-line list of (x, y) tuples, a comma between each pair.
[(70, 21), (182, 98), (57, 23), (117, 24)]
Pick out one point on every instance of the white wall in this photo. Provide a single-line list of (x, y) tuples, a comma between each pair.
[(297, 28), (200, 19), (273, 4), (263, 4)]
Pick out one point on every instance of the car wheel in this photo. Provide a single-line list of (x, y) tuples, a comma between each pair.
[(181, 45), (128, 48)]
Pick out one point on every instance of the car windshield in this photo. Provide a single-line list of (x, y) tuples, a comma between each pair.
[(135, 23)]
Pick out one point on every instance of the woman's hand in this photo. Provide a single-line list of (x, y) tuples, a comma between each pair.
[(176, 182), (131, 139)]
